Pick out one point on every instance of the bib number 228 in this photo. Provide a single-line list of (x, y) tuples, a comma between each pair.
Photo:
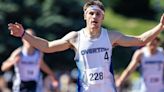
[(96, 76)]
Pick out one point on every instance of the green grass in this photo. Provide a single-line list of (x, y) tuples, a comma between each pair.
[(125, 25), (162, 3)]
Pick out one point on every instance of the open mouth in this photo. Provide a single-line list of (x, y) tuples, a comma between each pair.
[(94, 22)]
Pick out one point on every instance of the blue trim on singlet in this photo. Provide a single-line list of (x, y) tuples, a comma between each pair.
[(153, 62), (79, 85), (111, 69), (112, 72)]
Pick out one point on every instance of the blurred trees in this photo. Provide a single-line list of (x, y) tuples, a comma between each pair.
[(51, 19), (146, 9)]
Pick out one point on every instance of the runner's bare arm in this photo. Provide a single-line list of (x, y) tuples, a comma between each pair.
[(131, 67), (42, 44), (44, 67), (13, 59), (142, 39)]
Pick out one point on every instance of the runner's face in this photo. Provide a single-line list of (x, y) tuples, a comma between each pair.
[(94, 18), (153, 44)]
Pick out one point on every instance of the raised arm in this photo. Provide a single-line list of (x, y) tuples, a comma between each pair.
[(131, 67), (42, 44), (123, 40), (13, 59)]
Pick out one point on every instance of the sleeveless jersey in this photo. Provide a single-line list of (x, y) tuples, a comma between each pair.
[(152, 70), (27, 69), (93, 59)]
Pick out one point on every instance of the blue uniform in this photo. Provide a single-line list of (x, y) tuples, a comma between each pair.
[(152, 66), (27, 72)]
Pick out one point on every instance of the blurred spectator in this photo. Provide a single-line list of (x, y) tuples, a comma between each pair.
[(8, 76), (64, 82), (3, 85), (48, 86)]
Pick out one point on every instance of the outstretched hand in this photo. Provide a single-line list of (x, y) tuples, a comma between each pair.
[(16, 29)]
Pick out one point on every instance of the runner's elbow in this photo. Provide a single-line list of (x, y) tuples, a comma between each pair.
[(142, 42)]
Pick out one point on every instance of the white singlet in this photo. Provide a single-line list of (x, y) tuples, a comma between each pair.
[(93, 60), (152, 70), (27, 69)]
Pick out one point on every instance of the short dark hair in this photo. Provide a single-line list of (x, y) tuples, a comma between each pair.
[(94, 2)]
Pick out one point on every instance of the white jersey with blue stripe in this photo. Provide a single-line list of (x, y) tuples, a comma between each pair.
[(152, 67), (93, 60), (27, 69)]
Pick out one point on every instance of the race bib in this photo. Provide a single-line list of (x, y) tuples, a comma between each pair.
[(95, 76), (30, 72), (153, 79)]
